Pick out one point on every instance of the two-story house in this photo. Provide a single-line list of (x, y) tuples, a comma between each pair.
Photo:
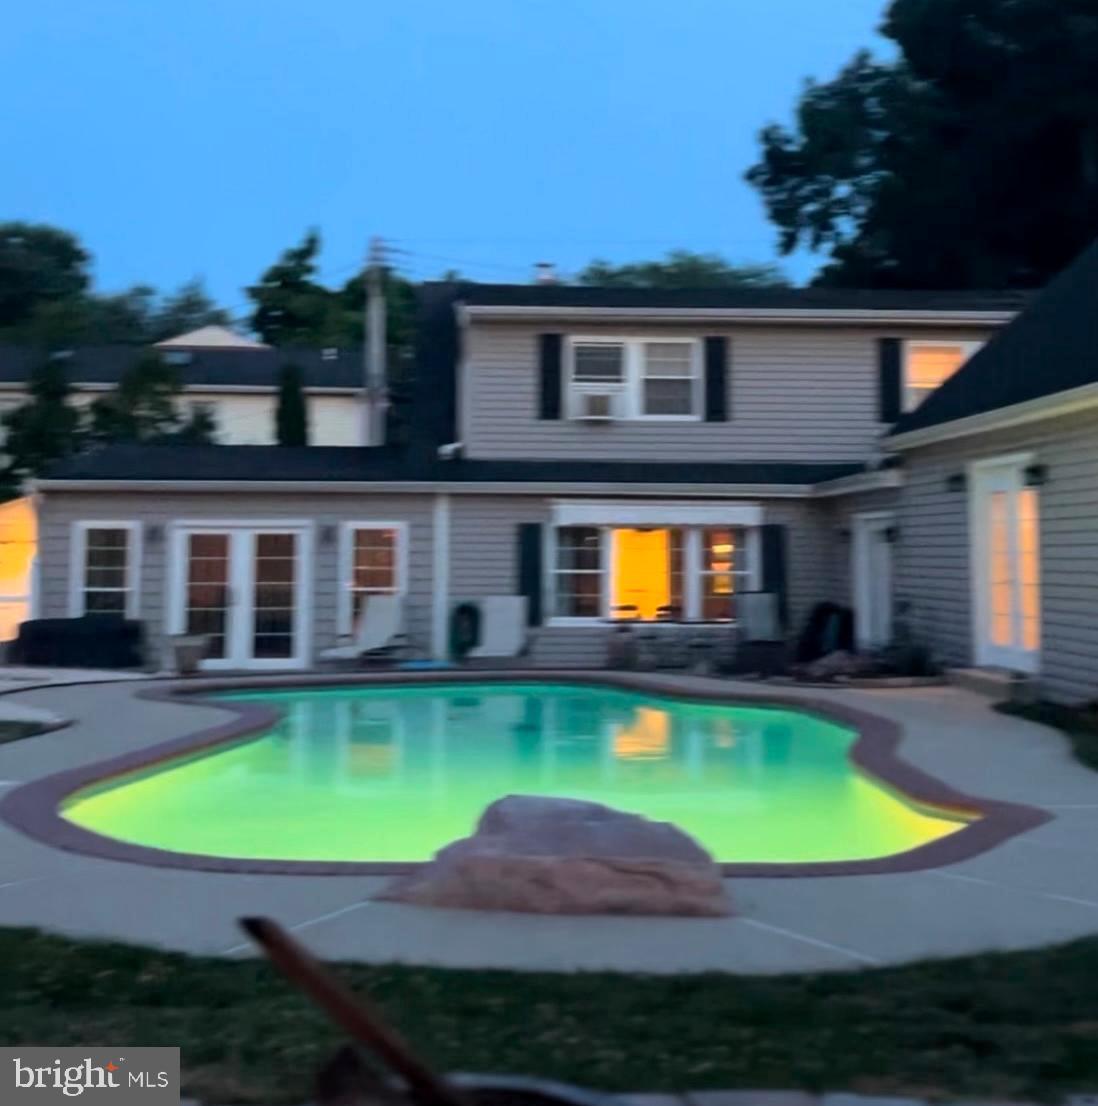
[(234, 378), (606, 453)]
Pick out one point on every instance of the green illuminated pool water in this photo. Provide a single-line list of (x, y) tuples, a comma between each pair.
[(394, 773)]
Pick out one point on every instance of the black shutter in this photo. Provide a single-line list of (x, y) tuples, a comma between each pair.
[(773, 568), (716, 379), (549, 351), (889, 373), (529, 569)]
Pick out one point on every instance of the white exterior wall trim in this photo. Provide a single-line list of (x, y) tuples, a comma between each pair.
[(359, 487), (609, 513), (806, 316), (1062, 403), (440, 596)]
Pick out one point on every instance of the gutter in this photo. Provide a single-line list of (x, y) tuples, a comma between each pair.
[(420, 487), (1082, 398), (758, 315), (859, 482)]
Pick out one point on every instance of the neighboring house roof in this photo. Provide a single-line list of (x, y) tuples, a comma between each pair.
[(210, 337), (243, 367), (564, 296), (353, 464), (1051, 347)]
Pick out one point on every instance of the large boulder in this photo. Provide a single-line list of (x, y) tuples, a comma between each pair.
[(565, 856)]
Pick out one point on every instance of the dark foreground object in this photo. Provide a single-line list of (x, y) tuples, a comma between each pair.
[(348, 1080), (94, 641)]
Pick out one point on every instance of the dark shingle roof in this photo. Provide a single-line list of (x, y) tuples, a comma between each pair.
[(248, 368), (350, 463), (819, 299), (1051, 347)]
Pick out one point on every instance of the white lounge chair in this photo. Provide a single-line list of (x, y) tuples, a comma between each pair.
[(502, 627), (378, 631)]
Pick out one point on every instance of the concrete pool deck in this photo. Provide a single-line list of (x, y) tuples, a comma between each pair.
[(1038, 888)]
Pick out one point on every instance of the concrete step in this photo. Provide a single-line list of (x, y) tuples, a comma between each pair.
[(1000, 685)]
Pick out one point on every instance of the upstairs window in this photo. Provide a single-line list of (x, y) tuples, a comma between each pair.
[(669, 379), (928, 365), (634, 378)]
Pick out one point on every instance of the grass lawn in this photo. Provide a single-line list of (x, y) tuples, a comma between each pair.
[(1080, 724), (1011, 1025)]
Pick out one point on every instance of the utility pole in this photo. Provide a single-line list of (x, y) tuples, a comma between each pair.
[(375, 373)]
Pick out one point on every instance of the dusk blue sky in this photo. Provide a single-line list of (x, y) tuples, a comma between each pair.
[(200, 137)]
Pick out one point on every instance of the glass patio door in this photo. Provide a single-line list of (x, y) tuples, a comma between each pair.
[(1006, 566), (243, 588)]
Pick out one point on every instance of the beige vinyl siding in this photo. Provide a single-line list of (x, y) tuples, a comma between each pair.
[(934, 554), (59, 510), (794, 394), (483, 553), (248, 418), (483, 561)]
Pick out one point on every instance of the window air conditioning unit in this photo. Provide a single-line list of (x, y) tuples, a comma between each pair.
[(596, 406)]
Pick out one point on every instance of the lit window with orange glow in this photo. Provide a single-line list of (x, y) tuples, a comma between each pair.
[(723, 572), (928, 365)]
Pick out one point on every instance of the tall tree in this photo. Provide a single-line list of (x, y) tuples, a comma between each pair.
[(43, 429), (143, 406), (971, 160), (187, 308), (291, 308), (682, 269), (39, 265), (291, 416)]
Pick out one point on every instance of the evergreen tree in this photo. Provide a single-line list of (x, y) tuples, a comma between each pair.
[(199, 429), (142, 407), (42, 430), (290, 307), (291, 419)]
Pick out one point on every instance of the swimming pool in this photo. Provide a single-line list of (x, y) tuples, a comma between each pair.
[(392, 773)]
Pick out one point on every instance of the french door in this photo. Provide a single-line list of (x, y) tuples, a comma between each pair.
[(1005, 531), (245, 589)]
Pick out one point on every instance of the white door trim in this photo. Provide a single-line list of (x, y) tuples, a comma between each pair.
[(863, 525), (983, 652), (241, 567)]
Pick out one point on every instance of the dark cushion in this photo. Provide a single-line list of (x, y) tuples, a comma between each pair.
[(93, 641)]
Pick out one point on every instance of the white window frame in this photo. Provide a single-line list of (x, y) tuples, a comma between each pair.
[(968, 345), (692, 561), (78, 555), (347, 531), (631, 389)]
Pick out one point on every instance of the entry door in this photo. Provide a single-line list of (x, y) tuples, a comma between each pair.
[(872, 576), (1005, 532), (244, 588)]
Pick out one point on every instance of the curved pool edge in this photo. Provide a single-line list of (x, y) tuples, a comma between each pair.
[(34, 808)]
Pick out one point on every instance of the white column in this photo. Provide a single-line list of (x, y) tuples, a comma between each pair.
[(440, 605)]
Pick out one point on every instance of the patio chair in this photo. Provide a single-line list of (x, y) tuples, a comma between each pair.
[(502, 627), (378, 632)]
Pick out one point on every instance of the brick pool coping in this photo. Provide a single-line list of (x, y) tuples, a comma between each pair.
[(35, 808)]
